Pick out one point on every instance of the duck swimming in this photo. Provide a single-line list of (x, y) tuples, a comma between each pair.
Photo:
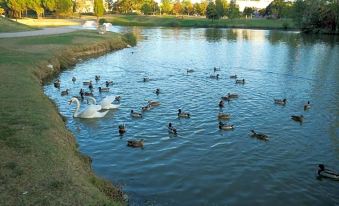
[(109, 83), (74, 79), (221, 103), (157, 91), (183, 114), (232, 96), (135, 143), (226, 98), (259, 136), (233, 76), (57, 84), (280, 101), (223, 116), (122, 129), (90, 94), (97, 77), (146, 108), (64, 93), (298, 118), (90, 86), (212, 76), (136, 114), (106, 89), (223, 126), (189, 70), (307, 106), (323, 172), (145, 79), (171, 129), (215, 69), (86, 82), (153, 103), (240, 81)]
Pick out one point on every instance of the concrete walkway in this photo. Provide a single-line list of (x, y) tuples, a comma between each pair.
[(44, 31)]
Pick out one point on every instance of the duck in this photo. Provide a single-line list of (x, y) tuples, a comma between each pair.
[(105, 89), (135, 143), (117, 99), (171, 129), (145, 79), (323, 172), (280, 101), (233, 76), (240, 81), (153, 103), (57, 83), (298, 118), (97, 77), (259, 136), (221, 103), (86, 82), (146, 108), (226, 98), (157, 91), (136, 114), (212, 76), (190, 70), (109, 83), (232, 96), (224, 116), (82, 93), (122, 129), (64, 93), (215, 69), (74, 79), (183, 114), (88, 94), (223, 126), (90, 86), (307, 106)]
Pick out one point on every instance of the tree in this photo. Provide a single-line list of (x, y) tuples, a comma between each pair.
[(232, 11), (248, 11), (16, 7), (203, 6), (177, 7), (187, 7), (211, 11), (49, 5), (221, 6), (63, 7), (36, 5), (99, 9), (166, 6), (2, 11)]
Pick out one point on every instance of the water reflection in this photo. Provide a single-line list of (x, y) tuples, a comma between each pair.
[(213, 34)]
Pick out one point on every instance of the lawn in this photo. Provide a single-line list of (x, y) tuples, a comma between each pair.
[(39, 162), (185, 21), (7, 25)]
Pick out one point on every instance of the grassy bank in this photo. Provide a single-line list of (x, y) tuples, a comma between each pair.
[(44, 22), (172, 21), (39, 161), (7, 25)]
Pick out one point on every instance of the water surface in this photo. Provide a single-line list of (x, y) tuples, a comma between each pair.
[(202, 165)]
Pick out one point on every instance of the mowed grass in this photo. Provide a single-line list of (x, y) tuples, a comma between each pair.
[(39, 161), (172, 21), (7, 25), (45, 22)]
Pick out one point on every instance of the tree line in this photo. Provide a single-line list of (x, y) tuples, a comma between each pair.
[(309, 15)]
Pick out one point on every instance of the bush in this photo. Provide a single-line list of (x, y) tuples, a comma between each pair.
[(130, 39), (101, 21)]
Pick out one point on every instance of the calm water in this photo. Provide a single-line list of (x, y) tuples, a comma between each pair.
[(202, 165)]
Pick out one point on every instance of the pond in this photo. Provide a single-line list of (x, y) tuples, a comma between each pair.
[(202, 165)]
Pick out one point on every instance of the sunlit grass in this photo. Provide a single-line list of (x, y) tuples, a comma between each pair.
[(7, 25)]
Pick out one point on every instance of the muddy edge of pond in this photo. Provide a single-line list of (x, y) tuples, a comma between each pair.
[(64, 59)]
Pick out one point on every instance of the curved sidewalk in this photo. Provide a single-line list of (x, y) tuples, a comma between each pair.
[(44, 31)]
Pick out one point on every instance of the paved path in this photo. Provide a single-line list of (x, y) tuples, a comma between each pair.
[(44, 31)]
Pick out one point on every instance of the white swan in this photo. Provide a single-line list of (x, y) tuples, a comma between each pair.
[(106, 103), (91, 111)]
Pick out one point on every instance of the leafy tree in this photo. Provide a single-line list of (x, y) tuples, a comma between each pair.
[(248, 11), (177, 7), (99, 9), (49, 5), (203, 6), (16, 7), (232, 11), (187, 7), (166, 6), (35, 5), (221, 6), (63, 7), (211, 11), (2, 11)]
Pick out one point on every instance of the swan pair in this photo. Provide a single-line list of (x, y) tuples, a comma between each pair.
[(93, 110)]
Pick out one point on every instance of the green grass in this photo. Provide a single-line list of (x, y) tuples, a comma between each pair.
[(172, 21), (39, 161), (7, 25)]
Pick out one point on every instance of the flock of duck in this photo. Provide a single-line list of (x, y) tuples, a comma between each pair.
[(94, 110)]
